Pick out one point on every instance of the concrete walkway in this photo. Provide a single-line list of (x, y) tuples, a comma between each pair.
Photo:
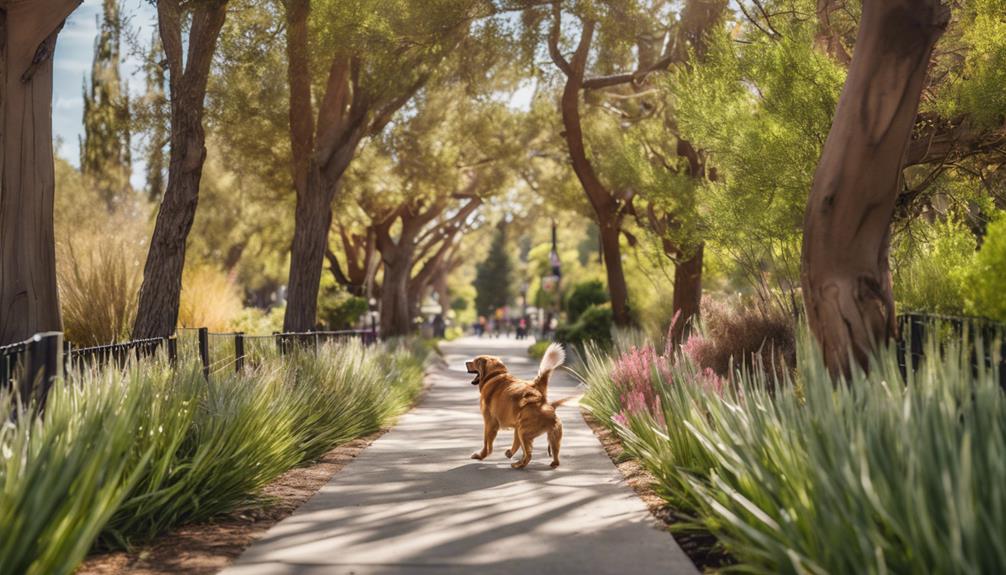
[(413, 502)]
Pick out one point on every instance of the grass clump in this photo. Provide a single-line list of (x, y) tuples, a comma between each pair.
[(121, 456), (798, 474)]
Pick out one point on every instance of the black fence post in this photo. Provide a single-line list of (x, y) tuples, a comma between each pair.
[(204, 350), (172, 349), (239, 351), (45, 365), (279, 343)]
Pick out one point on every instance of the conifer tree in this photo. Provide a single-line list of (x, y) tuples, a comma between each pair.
[(157, 130), (494, 276), (104, 151)]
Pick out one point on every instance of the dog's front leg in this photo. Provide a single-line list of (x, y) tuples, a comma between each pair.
[(490, 428)]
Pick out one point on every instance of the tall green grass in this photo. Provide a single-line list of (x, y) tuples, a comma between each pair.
[(877, 474), (122, 456)]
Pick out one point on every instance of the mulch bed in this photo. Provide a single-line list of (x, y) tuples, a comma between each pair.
[(700, 546), (205, 548)]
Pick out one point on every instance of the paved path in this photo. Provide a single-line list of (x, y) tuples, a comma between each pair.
[(413, 502)]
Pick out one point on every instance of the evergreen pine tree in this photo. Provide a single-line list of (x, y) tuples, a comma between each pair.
[(494, 276), (156, 102), (104, 151)]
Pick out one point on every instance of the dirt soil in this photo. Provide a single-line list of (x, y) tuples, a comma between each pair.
[(700, 546)]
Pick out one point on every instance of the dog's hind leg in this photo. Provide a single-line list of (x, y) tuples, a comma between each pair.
[(525, 445), (513, 448), (554, 439), (489, 436)]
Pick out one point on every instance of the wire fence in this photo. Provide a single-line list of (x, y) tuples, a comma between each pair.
[(33, 365)]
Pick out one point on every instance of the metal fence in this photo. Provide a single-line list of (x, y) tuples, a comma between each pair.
[(986, 340), (34, 364)]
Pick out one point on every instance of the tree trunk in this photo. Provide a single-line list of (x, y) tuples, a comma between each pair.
[(687, 294), (157, 313), (29, 302), (313, 217), (606, 207), (396, 314), (846, 276), (611, 249)]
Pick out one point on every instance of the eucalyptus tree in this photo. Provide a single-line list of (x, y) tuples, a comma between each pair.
[(424, 181), (615, 49), (351, 67), (189, 32), (28, 294), (846, 272)]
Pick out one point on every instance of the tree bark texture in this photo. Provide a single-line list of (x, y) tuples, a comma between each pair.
[(607, 208), (845, 270), (322, 151), (160, 293), (687, 299), (29, 302)]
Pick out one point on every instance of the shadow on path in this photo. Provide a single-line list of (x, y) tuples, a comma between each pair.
[(415, 503)]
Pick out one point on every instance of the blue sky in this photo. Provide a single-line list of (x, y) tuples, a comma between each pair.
[(72, 64)]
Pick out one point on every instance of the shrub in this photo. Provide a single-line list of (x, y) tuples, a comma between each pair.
[(337, 309), (64, 475), (583, 296), (594, 325), (131, 453), (930, 279), (537, 349), (99, 282), (985, 279), (743, 337), (209, 299), (799, 475)]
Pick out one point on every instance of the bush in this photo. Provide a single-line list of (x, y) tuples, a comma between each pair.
[(338, 309), (985, 280), (929, 280), (133, 453), (804, 475), (537, 349), (209, 299), (99, 282), (593, 325), (583, 296), (743, 337)]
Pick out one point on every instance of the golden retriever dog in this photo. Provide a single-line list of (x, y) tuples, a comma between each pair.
[(509, 402)]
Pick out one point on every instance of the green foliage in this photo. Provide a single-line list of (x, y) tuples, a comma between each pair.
[(985, 280), (63, 476), (929, 272), (133, 453), (537, 349), (762, 110), (337, 309), (105, 148), (583, 296), (494, 276), (593, 326), (803, 475), (973, 86)]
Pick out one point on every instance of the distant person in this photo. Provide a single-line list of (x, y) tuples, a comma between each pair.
[(439, 329)]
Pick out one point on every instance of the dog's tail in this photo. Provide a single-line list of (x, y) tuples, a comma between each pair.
[(560, 402), (553, 358)]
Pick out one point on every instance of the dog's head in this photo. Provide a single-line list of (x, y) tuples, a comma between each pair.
[(484, 367)]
